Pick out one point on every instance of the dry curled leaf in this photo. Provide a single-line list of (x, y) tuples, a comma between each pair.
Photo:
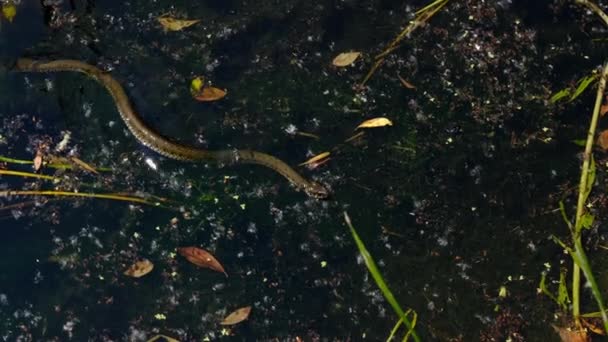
[(237, 316), (83, 165), (209, 93), (569, 335), (593, 327), (405, 83), (345, 59), (139, 269), (172, 24), (375, 122), (602, 140), (316, 159), (201, 258)]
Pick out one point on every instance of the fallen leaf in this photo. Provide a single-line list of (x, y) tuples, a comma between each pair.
[(376, 122), (354, 137), (9, 11), (569, 335), (345, 59), (594, 328), (196, 85), (405, 83), (602, 140), (139, 269), (37, 161), (172, 24), (603, 109), (164, 338), (316, 158), (309, 135), (84, 165), (201, 258), (237, 316), (209, 93)]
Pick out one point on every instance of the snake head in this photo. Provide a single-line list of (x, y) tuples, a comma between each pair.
[(316, 190)]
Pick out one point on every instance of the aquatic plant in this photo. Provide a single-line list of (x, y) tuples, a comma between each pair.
[(386, 292)]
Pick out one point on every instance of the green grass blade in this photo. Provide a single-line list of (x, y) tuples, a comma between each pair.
[(583, 83), (394, 331), (386, 292)]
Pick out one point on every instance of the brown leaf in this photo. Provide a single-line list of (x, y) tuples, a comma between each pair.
[(84, 165), (376, 122), (209, 93), (172, 24), (594, 328), (316, 159), (405, 83), (602, 140), (139, 269), (569, 335), (237, 316), (345, 59), (37, 161), (308, 135), (201, 258), (603, 109)]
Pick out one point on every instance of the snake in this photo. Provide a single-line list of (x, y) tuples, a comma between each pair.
[(150, 138)]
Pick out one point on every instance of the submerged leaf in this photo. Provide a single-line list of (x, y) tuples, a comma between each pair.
[(316, 159), (237, 316), (345, 59), (405, 83), (376, 122), (172, 24), (209, 93), (139, 269), (9, 11), (197, 84), (201, 258)]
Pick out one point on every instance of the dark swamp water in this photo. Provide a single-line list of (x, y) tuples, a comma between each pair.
[(454, 201)]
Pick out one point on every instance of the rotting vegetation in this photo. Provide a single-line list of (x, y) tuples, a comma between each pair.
[(464, 186)]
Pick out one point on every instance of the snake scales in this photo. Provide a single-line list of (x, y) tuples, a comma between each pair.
[(155, 141)]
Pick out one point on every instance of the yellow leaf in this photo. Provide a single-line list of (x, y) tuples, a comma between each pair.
[(172, 24), (375, 122), (197, 84), (316, 158), (9, 11), (237, 316), (345, 59), (139, 269), (210, 94)]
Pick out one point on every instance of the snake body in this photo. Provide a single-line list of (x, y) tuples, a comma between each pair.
[(164, 146)]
